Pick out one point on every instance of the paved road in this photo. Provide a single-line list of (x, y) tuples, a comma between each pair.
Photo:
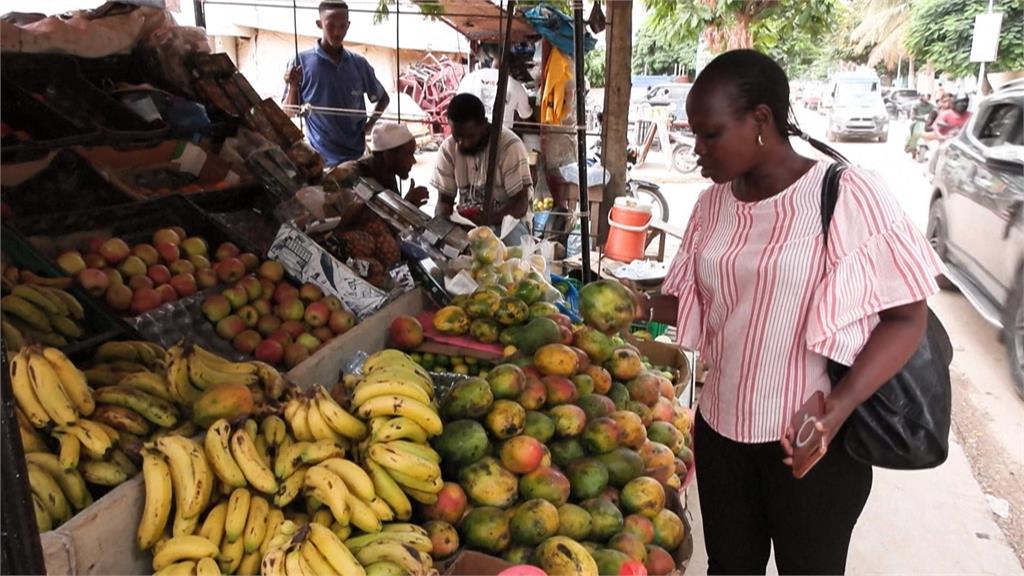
[(914, 518)]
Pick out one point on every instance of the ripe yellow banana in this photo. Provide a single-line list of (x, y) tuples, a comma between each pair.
[(432, 485), (182, 526), (330, 489), (422, 450), (316, 561), (423, 497), (222, 364), (334, 551), (323, 517), (213, 526), (183, 568), (237, 514), (299, 421), (24, 393), (156, 475), (423, 414), (94, 440), (342, 532), (207, 567), (337, 418), (408, 558), (70, 481), (293, 563), (291, 456), (368, 390), (274, 383), (290, 488), (362, 516), (388, 358), (122, 419), (256, 524), (178, 449), (418, 541), (400, 428), (152, 408), (72, 381), (405, 527), (218, 454), (150, 383), (231, 554), (406, 463), (274, 520), (256, 473), (273, 562), (389, 490), (70, 451), (318, 426), (356, 479), (44, 523), (250, 564), (50, 391), (103, 473), (182, 548), (206, 375), (274, 429), (178, 381)]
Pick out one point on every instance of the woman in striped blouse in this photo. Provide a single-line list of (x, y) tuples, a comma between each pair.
[(754, 290)]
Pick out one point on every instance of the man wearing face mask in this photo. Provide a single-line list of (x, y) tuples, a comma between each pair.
[(331, 76), (460, 173)]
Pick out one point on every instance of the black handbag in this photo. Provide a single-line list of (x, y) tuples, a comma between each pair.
[(905, 424)]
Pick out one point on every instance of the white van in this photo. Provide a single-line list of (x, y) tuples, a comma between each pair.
[(861, 81)]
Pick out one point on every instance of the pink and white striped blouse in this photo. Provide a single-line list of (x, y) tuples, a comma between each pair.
[(765, 306)]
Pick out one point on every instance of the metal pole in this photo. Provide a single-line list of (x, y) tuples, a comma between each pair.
[(581, 137), (200, 13), (22, 549), (498, 115), (398, 56)]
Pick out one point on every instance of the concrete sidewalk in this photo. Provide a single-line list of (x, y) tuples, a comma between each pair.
[(927, 522)]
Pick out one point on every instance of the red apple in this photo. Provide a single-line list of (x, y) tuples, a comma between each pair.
[(281, 336), (159, 274), (182, 267), (249, 315), (309, 341), (132, 266), (317, 314), (310, 292), (323, 334), (251, 261), (113, 276), (94, 260), (271, 270), (293, 327), (119, 297), (138, 282), (182, 235), (294, 354), (216, 307), (166, 235), (168, 251), (229, 327), (269, 351), (264, 307), (184, 284), (268, 325), (71, 262), (291, 309), (284, 291), (247, 341), (230, 271), (167, 293), (93, 245), (342, 321), (252, 287), (236, 296), (225, 251), (333, 303), (267, 288), (200, 261), (206, 278), (144, 300), (115, 250), (147, 252), (193, 246), (94, 281)]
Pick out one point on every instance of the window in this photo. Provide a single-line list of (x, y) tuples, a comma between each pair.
[(1001, 125)]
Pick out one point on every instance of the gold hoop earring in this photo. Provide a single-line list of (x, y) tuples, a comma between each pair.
[(760, 140)]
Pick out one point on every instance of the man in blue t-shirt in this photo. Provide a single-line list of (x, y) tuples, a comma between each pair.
[(331, 76)]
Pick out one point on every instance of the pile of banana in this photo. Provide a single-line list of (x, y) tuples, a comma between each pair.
[(395, 395), (40, 314), (313, 549)]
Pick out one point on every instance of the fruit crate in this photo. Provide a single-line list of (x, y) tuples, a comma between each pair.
[(31, 188), (654, 328), (100, 323), (247, 211), (35, 125)]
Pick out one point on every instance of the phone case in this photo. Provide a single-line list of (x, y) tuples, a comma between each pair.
[(808, 443)]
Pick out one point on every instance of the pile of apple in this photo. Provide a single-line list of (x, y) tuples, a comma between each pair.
[(136, 279), (264, 315)]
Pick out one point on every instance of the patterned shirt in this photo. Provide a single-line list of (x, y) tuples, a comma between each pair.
[(465, 175), (765, 305)]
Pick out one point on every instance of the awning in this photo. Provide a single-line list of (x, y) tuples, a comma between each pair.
[(481, 20)]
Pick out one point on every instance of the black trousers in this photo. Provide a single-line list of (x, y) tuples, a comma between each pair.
[(750, 500)]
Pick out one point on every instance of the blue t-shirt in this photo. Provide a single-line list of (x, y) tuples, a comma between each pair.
[(338, 138)]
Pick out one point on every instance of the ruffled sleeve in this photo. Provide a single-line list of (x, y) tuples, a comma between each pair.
[(877, 259), (681, 282)]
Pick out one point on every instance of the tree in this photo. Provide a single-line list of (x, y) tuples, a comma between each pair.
[(658, 51), (593, 64), (941, 32), (883, 28), (731, 24)]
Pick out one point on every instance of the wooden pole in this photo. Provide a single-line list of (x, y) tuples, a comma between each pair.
[(618, 81), (498, 115), (581, 135)]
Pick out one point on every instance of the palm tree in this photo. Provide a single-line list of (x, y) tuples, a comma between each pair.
[(883, 27)]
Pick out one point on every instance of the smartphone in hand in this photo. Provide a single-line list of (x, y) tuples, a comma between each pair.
[(809, 445)]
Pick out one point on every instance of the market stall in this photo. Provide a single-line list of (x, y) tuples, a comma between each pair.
[(203, 372)]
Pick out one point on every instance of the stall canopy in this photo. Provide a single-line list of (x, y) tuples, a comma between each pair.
[(480, 20)]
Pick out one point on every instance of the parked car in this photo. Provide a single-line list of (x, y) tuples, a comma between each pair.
[(858, 114), (900, 102), (845, 83), (976, 223)]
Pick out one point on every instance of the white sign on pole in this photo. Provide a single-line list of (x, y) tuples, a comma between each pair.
[(986, 37)]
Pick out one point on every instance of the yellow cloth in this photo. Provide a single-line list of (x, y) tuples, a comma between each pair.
[(556, 74)]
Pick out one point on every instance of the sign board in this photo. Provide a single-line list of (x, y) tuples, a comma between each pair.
[(986, 37)]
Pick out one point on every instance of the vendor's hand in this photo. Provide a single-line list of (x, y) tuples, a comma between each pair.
[(828, 425), (293, 77), (417, 195)]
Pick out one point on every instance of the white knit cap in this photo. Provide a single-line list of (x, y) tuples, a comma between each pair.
[(389, 135)]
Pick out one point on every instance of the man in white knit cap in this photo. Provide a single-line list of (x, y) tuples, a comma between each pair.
[(392, 156)]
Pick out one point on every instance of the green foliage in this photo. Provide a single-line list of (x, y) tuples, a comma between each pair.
[(593, 66), (383, 11), (941, 32), (657, 50)]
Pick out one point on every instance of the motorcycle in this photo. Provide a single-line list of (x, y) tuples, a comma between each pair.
[(683, 143)]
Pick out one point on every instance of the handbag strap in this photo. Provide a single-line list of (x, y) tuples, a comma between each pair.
[(830, 195)]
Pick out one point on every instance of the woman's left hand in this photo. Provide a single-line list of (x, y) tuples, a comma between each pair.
[(835, 415)]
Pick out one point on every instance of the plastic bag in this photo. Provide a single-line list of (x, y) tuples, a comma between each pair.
[(485, 246)]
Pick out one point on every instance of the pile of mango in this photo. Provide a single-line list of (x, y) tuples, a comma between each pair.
[(466, 365), (567, 462)]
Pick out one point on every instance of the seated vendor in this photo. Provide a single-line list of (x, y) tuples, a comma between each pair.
[(393, 156), (461, 171)]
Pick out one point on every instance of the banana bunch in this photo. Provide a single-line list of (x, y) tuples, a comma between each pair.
[(350, 494), (48, 388), (395, 396), (57, 491), (397, 549), (43, 314), (192, 369), (317, 416), (299, 550)]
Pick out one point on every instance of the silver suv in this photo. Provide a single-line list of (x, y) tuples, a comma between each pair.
[(976, 223)]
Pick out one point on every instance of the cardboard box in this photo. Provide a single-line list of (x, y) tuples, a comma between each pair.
[(306, 260), (473, 563)]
